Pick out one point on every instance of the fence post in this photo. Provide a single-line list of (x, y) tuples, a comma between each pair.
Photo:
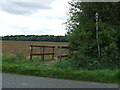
[(31, 49), (60, 53), (43, 54), (53, 53)]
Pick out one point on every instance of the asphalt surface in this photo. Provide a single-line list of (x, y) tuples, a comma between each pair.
[(21, 81)]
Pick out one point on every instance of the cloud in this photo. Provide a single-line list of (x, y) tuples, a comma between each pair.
[(28, 18), (24, 8)]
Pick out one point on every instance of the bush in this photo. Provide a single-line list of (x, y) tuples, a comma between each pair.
[(20, 55), (65, 64), (83, 45), (61, 70), (9, 57)]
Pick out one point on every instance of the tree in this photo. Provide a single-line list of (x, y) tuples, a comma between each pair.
[(82, 34)]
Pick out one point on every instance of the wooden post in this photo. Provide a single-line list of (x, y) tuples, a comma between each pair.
[(31, 49), (40, 51), (60, 53), (43, 54), (53, 53)]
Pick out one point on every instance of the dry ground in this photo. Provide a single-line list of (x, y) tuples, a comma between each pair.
[(12, 47)]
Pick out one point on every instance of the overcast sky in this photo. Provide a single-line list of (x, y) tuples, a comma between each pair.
[(41, 17)]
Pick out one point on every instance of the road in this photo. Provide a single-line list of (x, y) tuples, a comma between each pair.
[(21, 81)]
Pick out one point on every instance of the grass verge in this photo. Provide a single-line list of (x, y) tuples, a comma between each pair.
[(13, 64)]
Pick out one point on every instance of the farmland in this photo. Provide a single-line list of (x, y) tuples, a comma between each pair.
[(13, 47), (64, 70)]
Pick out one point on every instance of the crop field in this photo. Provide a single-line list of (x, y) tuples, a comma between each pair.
[(13, 47)]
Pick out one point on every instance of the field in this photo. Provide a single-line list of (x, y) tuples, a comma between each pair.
[(62, 70), (13, 47)]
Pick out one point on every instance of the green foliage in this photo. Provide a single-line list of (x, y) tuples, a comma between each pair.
[(20, 55), (50, 38), (58, 70), (82, 35), (65, 64), (9, 57)]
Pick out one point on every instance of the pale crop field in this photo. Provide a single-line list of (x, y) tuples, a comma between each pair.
[(13, 47)]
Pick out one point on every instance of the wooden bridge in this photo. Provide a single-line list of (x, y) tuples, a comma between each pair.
[(43, 53)]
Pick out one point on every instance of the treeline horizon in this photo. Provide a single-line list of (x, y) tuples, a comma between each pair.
[(49, 38)]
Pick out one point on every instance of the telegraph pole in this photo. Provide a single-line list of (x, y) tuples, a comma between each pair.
[(98, 45)]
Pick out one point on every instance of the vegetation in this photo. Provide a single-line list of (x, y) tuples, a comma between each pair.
[(14, 64), (82, 35), (50, 38), (83, 62)]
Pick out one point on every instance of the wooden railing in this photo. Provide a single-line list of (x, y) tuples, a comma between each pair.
[(60, 50), (43, 53)]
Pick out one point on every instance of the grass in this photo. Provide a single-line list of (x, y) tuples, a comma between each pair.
[(17, 65)]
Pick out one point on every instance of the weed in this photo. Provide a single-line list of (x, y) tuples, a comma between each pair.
[(58, 70)]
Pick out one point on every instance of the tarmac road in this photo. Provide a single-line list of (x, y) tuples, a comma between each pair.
[(21, 81)]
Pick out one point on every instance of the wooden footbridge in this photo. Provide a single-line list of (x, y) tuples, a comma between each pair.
[(43, 53)]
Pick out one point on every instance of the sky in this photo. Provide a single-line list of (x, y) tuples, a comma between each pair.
[(33, 17)]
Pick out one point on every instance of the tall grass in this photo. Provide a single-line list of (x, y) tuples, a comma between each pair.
[(14, 64)]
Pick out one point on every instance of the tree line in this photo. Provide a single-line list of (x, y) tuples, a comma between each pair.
[(50, 38)]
